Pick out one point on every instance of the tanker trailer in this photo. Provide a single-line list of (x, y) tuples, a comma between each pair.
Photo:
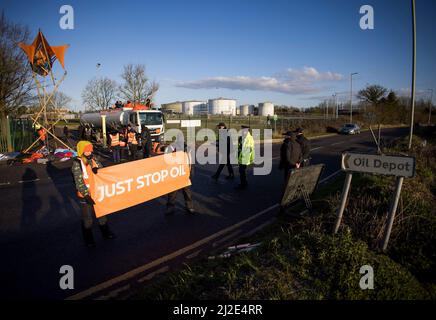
[(153, 119)]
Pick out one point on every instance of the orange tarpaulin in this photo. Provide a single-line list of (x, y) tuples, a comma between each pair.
[(121, 186), (42, 56)]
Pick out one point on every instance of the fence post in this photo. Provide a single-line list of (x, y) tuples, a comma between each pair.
[(8, 135)]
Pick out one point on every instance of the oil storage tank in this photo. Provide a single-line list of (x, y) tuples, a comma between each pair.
[(245, 110), (266, 109), (173, 107), (222, 106), (193, 107)]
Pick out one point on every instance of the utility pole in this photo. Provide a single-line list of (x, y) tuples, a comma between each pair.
[(335, 110), (351, 95), (430, 106), (412, 111)]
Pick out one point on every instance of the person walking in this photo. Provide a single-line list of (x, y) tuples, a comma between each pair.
[(84, 166), (245, 155), (146, 142), (305, 147), (223, 132), (114, 142), (180, 145)]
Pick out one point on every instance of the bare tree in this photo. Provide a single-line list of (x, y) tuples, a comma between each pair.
[(16, 83), (136, 87), (59, 100), (99, 93)]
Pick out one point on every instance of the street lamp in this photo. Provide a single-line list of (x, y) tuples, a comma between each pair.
[(430, 106), (412, 95), (351, 95)]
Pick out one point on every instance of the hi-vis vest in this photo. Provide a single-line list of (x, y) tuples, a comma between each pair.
[(115, 140), (42, 134), (86, 172), (132, 138)]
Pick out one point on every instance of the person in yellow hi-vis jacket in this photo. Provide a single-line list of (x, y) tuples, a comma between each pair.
[(245, 155)]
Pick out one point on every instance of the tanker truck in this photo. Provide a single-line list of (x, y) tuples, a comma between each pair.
[(136, 117)]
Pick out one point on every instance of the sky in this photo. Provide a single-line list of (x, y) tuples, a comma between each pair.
[(288, 52)]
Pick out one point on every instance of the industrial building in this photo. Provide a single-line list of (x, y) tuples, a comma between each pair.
[(172, 107), (246, 109), (222, 106), (266, 109)]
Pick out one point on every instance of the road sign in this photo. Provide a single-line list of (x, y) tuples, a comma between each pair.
[(275, 117), (302, 183), (399, 166), (173, 121), (190, 123)]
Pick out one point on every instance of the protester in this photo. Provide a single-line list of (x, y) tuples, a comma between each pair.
[(146, 142), (245, 155), (66, 133), (224, 133), (114, 142), (179, 145), (132, 141), (42, 133), (305, 147), (84, 166)]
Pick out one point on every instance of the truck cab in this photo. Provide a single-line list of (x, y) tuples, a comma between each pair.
[(153, 119)]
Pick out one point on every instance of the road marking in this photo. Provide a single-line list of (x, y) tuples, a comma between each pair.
[(193, 255), (330, 176), (151, 275), (136, 271), (334, 144), (316, 148), (24, 181), (5, 183), (223, 239)]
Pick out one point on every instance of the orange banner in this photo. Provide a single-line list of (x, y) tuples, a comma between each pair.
[(122, 186)]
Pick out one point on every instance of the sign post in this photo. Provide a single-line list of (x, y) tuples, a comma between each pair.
[(398, 166)]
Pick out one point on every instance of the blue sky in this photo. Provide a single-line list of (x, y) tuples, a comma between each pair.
[(288, 52)]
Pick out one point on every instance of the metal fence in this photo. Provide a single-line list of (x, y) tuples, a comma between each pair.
[(16, 134)]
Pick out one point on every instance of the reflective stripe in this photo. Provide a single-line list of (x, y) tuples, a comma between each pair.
[(115, 140), (85, 174), (132, 138)]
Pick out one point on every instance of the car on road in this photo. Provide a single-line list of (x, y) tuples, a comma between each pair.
[(350, 128)]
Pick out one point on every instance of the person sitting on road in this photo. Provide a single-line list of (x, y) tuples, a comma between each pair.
[(84, 165)]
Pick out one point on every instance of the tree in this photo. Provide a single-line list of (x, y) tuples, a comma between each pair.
[(372, 94), (59, 100), (16, 83), (99, 93), (136, 87)]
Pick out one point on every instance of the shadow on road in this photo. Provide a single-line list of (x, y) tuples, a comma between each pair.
[(31, 201)]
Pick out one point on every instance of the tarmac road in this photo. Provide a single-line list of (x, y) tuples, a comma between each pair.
[(40, 225)]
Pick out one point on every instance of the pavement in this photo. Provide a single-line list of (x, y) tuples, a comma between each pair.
[(40, 225)]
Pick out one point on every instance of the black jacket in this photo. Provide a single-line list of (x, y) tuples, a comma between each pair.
[(305, 146), (290, 153)]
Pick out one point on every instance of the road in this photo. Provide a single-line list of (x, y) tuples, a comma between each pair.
[(40, 225)]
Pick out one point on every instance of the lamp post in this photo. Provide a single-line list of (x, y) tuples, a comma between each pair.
[(412, 96), (351, 95), (430, 106)]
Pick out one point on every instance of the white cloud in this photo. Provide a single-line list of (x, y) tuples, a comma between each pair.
[(289, 82)]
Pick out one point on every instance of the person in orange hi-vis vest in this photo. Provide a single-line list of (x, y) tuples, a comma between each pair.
[(84, 165), (132, 140), (42, 136), (114, 142)]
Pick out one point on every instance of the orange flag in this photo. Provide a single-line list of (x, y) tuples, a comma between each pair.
[(125, 185)]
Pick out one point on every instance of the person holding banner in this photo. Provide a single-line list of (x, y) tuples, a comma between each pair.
[(180, 145), (83, 168)]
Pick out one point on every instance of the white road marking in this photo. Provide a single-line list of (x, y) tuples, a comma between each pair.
[(24, 181), (316, 148), (335, 144), (151, 275), (330, 176)]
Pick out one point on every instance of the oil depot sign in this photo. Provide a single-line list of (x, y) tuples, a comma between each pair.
[(398, 166)]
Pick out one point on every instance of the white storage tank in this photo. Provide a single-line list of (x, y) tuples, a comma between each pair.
[(266, 109), (192, 107), (222, 106), (245, 110)]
